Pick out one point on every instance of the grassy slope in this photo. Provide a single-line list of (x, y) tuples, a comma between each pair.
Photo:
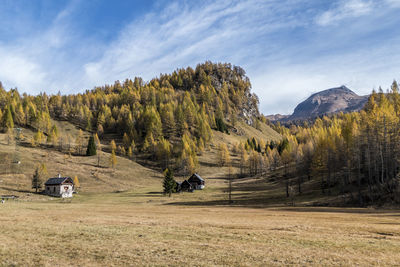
[(127, 174), (16, 179)]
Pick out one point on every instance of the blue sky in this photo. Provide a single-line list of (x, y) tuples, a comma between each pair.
[(289, 48)]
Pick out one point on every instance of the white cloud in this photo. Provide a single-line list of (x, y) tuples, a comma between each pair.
[(19, 71), (343, 10), (186, 36), (286, 55), (393, 3)]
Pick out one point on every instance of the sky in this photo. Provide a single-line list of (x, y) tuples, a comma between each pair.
[(288, 48)]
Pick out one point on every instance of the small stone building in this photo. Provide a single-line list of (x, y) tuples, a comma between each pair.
[(59, 187)]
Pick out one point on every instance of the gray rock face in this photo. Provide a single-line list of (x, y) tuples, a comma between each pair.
[(334, 100)]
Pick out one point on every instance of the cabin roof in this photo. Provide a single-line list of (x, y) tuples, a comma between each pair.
[(186, 183), (58, 180), (195, 175)]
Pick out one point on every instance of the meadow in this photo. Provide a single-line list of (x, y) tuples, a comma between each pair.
[(119, 217), (146, 228)]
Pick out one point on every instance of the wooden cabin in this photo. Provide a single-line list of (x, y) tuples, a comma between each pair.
[(59, 187), (196, 181), (186, 186), (177, 186)]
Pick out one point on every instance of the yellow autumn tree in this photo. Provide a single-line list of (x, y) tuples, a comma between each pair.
[(113, 159), (76, 182), (223, 155)]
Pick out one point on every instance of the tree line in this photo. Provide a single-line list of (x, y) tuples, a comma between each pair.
[(354, 155)]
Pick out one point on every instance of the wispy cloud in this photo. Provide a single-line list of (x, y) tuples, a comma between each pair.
[(289, 48), (185, 35), (343, 10), (393, 3)]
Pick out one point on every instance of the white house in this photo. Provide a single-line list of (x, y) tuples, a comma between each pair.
[(59, 187)]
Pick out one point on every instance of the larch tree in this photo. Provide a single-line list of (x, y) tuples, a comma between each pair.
[(79, 142), (98, 146), (8, 122), (223, 155), (113, 159), (76, 183), (244, 157), (126, 141), (163, 152), (113, 145)]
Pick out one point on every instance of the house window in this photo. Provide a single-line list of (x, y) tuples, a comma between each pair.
[(54, 189), (48, 189)]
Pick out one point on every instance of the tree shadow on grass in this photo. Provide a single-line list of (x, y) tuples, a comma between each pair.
[(208, 164), (17, 190), (285, 207), (277, 204)]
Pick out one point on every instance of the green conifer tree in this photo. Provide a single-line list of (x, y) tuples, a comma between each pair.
[(169, 182), (91, 148), (36, 180)]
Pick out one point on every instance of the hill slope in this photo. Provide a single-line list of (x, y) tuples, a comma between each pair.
[(168, 120)]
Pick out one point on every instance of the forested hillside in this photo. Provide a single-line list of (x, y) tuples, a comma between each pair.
[(168, 118), (354, 156)]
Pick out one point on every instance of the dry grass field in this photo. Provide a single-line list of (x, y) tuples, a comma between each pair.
[(120, 218), (144, 228)]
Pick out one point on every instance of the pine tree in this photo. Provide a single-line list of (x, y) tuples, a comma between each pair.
[(221, 126), (36, 180), (169, 182), (91, 148)]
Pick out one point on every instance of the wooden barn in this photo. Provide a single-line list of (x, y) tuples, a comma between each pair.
[(196, 181), (186, 186), (59, 187)]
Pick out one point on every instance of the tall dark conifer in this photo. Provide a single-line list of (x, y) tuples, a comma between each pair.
[(36, 180), (91, 148), (169, 182)]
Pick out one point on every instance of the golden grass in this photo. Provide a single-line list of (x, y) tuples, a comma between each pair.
[(16, 178), (120, 218), (245, 131), (141, 228)]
